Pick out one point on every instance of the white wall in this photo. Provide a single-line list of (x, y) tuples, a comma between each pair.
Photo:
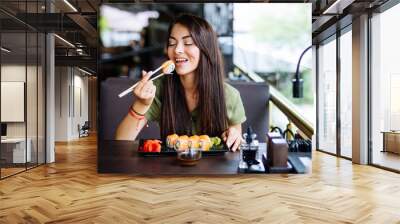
[(33, 126), (14, 73), (62, 81), (71, 102), (80, 110)]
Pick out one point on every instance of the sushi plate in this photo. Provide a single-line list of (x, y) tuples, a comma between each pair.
[(167, 151)]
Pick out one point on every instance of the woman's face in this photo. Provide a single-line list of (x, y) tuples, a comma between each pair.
[(182, 50)]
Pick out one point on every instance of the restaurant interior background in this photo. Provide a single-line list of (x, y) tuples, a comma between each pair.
[(259, 43)]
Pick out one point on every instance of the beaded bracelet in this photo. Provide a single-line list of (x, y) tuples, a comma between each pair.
[(136, 115)]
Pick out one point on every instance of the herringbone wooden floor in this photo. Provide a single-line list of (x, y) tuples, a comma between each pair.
[(71, 191)]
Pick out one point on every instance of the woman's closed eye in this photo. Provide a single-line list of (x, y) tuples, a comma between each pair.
[(170, 44)]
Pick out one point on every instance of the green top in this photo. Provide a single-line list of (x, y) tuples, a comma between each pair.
[(234, 107)]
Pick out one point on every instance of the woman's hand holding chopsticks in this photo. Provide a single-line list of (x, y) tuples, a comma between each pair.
[(144, 93)]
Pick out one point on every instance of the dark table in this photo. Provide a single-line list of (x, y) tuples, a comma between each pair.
[(122, 157)]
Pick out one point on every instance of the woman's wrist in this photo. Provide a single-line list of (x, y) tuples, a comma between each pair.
[(140, 108)]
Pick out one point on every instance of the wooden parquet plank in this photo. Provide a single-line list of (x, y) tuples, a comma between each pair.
[(71, 191)]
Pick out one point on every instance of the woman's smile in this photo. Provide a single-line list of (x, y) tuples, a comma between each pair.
[(181, 61)]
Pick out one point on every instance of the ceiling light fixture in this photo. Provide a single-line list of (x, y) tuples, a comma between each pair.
[(70, 5), (64, 40), (5, 49), (84, 71), (337, 7)]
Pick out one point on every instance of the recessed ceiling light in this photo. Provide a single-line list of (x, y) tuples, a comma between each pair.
[(5, 49), (84, 71), (70, 5), (337, 7), (64, 40)]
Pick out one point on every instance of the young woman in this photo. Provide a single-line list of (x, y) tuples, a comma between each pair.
[(194, 99)]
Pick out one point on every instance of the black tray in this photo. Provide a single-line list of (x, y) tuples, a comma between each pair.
[(166, 151)]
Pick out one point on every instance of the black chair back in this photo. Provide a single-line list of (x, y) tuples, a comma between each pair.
[(255, 97), (113, 109)]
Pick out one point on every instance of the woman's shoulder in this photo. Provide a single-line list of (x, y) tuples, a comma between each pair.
[(232, 96), (230, 91), (234, 105)]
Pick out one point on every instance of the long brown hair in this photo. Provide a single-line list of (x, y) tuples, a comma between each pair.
[(211, 107)]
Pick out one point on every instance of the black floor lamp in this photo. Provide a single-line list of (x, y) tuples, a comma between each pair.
[(297, 81)]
